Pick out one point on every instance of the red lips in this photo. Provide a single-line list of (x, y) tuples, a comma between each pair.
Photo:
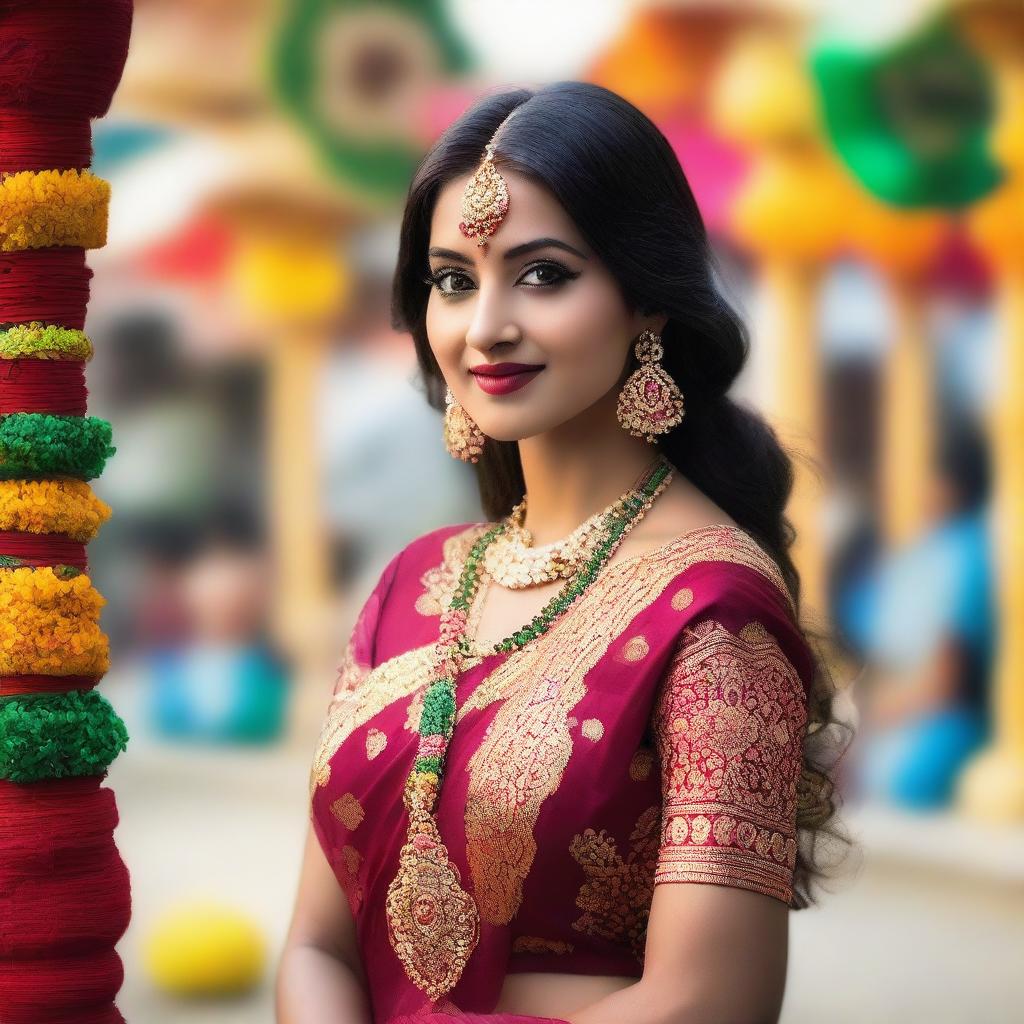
[(504, 378)]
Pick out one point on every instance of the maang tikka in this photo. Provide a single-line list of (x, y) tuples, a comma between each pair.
[(485, 197)]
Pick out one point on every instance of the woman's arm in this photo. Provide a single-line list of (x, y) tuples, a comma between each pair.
[(729, 723), (320, 977), (716, 954)]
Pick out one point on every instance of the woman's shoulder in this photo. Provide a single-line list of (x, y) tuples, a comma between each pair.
[(726, 561), (734, 590)]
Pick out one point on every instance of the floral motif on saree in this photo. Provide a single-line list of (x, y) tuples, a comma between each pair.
[(617, 894)]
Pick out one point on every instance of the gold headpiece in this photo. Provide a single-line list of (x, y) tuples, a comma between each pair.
[(485, 198)]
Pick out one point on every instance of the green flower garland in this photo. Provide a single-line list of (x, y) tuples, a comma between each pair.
[(39, 444), (38, 341), (52, 736)]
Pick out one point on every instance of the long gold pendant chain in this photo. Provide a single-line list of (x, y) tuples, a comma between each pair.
[(433, 922)]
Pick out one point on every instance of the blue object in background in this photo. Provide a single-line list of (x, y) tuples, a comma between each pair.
[(916, 765), (224, 694)]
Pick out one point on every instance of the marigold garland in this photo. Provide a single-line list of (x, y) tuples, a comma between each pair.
[(45, 208), (55, 735), (40, 444), (50, 625), (36, 340), (67, 507)]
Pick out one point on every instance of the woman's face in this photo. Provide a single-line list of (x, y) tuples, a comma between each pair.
[(541, 297)]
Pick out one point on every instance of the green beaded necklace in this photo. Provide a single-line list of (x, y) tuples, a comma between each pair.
[(433, 924)]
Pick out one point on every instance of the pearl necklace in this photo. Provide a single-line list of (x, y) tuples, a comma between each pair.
[(512, 562)]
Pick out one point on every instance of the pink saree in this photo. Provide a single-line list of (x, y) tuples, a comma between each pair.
[(653, 735)]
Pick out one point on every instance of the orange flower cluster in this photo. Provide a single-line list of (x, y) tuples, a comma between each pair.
[(50, 625), (67, 507), (43, 208)]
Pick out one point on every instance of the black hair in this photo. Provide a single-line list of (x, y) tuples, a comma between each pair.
[(619, 180)]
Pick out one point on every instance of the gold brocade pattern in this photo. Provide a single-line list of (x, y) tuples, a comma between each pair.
[(592, 729), (682, 599), (616, 897), (641, 765), (392, 679), (347, 867), (636, 649), (536, 944), (376, 741), (350, 673), (729, 727), (523, 756), (348, 810)]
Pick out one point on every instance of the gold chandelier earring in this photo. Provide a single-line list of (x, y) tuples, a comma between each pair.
[(650, 401), (462, 437)]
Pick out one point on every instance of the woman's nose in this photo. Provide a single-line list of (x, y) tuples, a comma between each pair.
[(490, 322)]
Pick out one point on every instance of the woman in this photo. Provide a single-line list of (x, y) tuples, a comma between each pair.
[(543, 719)]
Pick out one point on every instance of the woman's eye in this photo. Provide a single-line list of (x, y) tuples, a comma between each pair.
[(551, 273), (443, 275)]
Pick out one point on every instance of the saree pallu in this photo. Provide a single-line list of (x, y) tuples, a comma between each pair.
[(654, 734)]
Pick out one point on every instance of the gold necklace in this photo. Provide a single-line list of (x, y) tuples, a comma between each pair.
[(511, 561)]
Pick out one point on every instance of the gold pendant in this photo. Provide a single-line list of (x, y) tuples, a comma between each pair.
[(433, 923)]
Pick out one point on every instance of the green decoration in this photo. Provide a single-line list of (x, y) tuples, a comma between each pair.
[(36, 444), (346, 70), (36, 340), (56, 735), (910, 117)]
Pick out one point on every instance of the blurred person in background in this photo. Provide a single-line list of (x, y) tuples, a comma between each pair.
[(927, 617), (543, 719), (221, 679)]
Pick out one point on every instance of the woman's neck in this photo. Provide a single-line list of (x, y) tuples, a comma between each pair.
[(570, 476)]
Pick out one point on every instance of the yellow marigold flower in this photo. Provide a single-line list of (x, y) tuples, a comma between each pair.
[(67, 507), (44, 208), (50, 625)]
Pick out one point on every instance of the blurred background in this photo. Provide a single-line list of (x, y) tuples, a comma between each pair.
[(860, 167)]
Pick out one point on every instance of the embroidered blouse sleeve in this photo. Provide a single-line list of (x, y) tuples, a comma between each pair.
[(729, 722)]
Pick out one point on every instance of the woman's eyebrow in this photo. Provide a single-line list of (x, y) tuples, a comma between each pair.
[(510, 254)]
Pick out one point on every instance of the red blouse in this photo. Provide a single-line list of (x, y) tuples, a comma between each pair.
[(653, 735)]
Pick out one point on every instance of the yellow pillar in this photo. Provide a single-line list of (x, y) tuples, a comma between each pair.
[(992, 787), (908, 415), (289, 275), (789, 213), (792, 403)]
